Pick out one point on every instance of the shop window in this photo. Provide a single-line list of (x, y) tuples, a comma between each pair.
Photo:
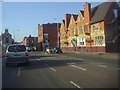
[(81, 42), (99, 41)]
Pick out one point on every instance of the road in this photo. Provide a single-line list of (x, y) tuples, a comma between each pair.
[(67, 70)]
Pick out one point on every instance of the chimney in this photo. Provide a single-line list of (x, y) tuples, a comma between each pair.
[(87, 12), (6, 30), (29, 35), (67, 20)]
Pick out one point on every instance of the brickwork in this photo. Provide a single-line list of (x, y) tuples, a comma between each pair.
[(92, 29), (51, 30)]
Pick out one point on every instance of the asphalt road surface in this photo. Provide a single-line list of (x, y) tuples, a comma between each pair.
[(67, 70)]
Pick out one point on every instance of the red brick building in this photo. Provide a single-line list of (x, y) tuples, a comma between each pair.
[(48, 35), (95, 29), (30, 41)]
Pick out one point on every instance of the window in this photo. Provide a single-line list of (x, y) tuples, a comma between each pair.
[(46, 36), (95, 28), (115, 12), (85, 28), (62, 26), (6, 39), (81, 42), (20, 48), (62, 34), (80, 18), (80, 30), (40, 29), (72, 21), (72, 32), (99, 41)]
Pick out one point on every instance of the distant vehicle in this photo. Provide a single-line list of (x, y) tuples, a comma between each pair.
[(16, 54), (53, 50), (49, 50), (28, 48), (57, 50)]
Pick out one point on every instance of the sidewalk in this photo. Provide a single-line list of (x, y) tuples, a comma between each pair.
[(114, 56)]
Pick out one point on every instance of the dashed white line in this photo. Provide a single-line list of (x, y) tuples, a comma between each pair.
[(38, 59), (102, 65), (75, 84), (50, 67), (79, 67), (70, 63), (19, 71)]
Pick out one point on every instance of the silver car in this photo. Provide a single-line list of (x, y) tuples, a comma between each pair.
[(16, 54)]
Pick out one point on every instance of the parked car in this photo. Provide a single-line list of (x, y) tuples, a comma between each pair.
[(16, 54), (49, 50), (57, 50)]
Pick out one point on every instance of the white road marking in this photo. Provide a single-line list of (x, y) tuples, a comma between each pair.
[(70, 63), (19, 71), (75, 84), (38, 59), (78, 67), (102, 65), (81, 59), (50, 67)]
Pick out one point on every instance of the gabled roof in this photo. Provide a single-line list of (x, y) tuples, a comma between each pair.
[(99, 12), (82, 12), (63, 21), (75, 16)]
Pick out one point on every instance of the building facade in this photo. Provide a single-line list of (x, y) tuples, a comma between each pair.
[(31, 42), (48, 35), (93, 30), (6, 38)]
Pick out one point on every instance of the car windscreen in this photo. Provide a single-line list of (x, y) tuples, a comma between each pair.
[(18, 48)]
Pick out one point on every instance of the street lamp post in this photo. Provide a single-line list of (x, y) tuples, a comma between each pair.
[(58, 35)]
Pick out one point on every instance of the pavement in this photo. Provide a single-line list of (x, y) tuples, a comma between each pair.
[(114, 56)]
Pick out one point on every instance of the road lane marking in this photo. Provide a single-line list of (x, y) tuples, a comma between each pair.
[(71, 63), (38, 59), (19, 71), (50, 67), (75, 84), (79, 67), (102, 65)]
